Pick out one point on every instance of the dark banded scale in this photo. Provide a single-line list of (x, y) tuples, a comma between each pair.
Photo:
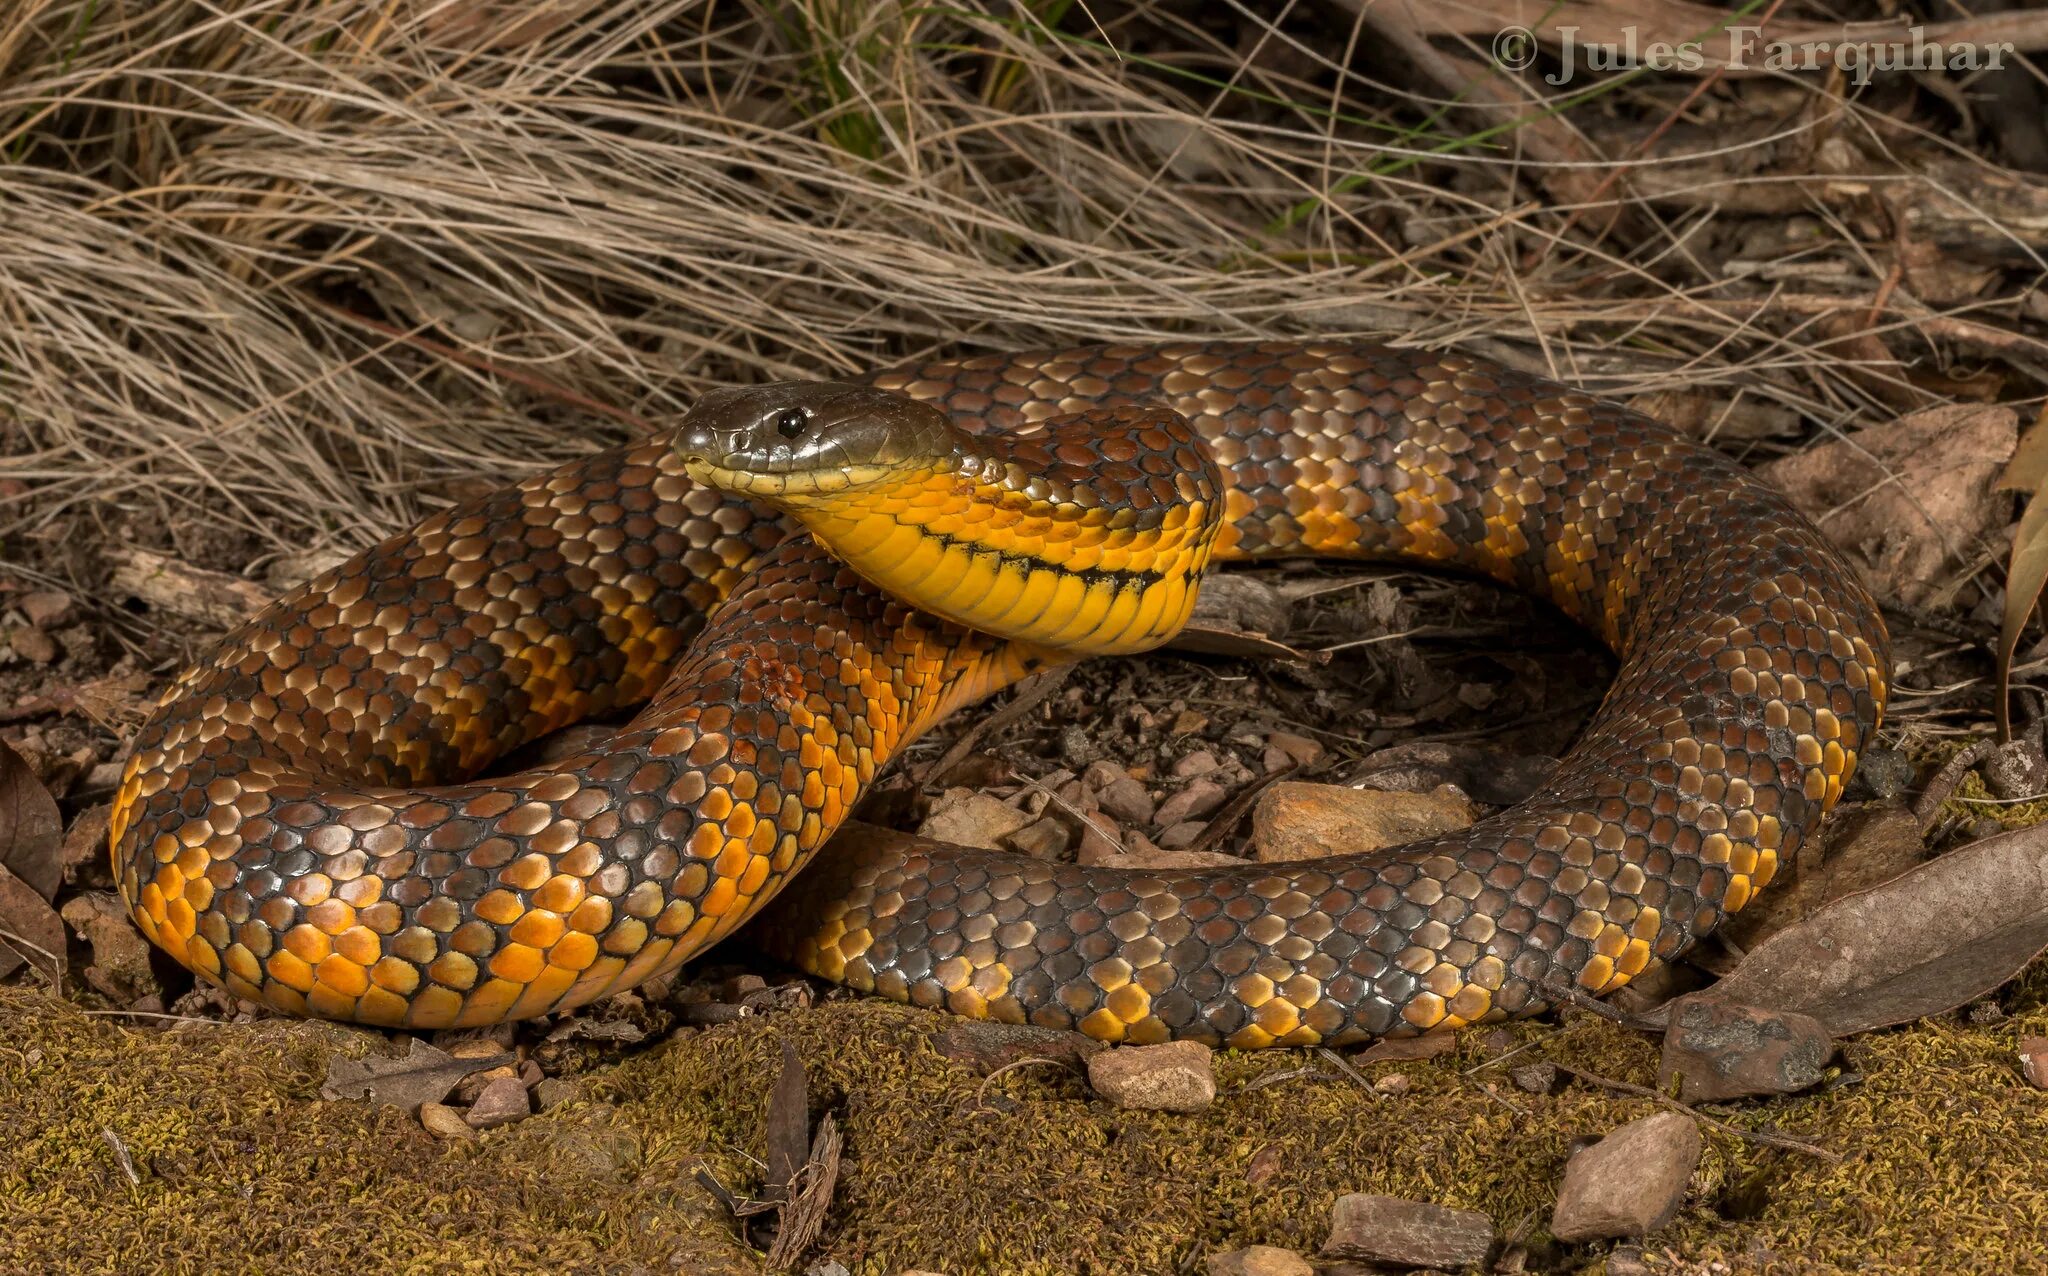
[(296, 820)]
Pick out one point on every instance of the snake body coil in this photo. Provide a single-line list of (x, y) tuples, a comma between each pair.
[(297, 821)]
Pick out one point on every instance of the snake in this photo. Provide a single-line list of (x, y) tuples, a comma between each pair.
[(796, 580)]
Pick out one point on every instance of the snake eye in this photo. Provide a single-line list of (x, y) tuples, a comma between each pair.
[(790, 422)]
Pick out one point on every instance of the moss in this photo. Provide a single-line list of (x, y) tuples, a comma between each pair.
[(244, 1169)]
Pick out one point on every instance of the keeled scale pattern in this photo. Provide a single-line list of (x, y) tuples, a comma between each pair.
[(280, 829)]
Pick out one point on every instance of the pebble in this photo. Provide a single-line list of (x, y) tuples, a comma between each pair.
[(1182, 835), (2034, 1061), (120, 955), (45, 608), (33, 645), (1298, 749), (967, 818), (1298, 821), (445, 1122), (1200, 762), (1143, 856), (471, 1088), (1259, 1260), (1881, 774), (1718, 1050), (502, 1102), (2017, 769), (1127, 800), (1535, 1078), (1200, 797), (1179, 1076), (1045, 839), (553, 1092), (1630, 1183), (1403, 1233)]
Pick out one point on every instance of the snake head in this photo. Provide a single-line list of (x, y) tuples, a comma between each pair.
[(793, 439)]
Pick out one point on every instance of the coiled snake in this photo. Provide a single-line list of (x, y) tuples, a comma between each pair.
[(298, 820)]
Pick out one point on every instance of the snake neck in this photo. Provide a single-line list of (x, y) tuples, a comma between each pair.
[(1089, 535)]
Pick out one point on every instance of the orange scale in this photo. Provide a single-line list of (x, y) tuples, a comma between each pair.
[(489, 1004), (537, 929), (290, 970), (342, 976)]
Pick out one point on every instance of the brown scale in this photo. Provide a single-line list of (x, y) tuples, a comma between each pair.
[(295, 820)]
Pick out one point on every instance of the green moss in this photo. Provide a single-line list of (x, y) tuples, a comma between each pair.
[(244, 1169)]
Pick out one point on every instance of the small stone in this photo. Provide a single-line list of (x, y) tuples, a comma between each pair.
[(1179, 1076), (1627, 1260), (2034, 1061), (1881, 775), (471, 1087), (1143, 855), (1719, 1050), (1536, 1078), (967, 818), (1182, 835), (1393, 1085), (46, 608), (502, 1102), (1298, 749), (33, 645), (553, 1092), (2017, 770), (1259, 1260), (1045, 839), (1630, 1183), (1127, 800), (1298, 821), (444, 1122), (1199, 798), (120, 955), (1200, 762), (740, 987), (1402, 1233)]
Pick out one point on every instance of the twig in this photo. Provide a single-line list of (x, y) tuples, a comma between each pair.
[(1784, 1141), (1945, 781), (121, 1155)]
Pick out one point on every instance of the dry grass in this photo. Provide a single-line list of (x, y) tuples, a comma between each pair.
[(633, 200)]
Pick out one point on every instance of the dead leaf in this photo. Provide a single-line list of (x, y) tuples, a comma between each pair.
[(1909, 497), (2027, 570), (425, 1075), (809, 1198), (31, 830), (1408, 1049), (1925, 942), (30, 930)]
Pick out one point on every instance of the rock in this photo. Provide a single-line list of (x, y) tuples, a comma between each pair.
[(502, 1102), (1200, 797), (1259, 1260), (553, 1092), (967, 818), (2034, 1061), (1718, 1050), (1200, 762), (1127, 800), (1179, 1076), (1881, 775), (987, 1046), (1298, 749), (1498, 779), (1045, 839), (471, 1088), (2017, 769), (33, 644), (46, 608), (1536, 1078), (120, 955), (1145, 857), (1630, 1183), (1182, 835), (1297, 821), (444, 1122), (1402, 1233), (1393, 1085)]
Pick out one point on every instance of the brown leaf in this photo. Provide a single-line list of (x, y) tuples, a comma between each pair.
[(810, 1198), (30, 930), (31, 830), (1925, 942), (425, 1075), (1910, 496), (2027, 569)]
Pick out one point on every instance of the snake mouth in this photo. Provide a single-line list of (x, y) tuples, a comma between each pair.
[(734, 476)]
